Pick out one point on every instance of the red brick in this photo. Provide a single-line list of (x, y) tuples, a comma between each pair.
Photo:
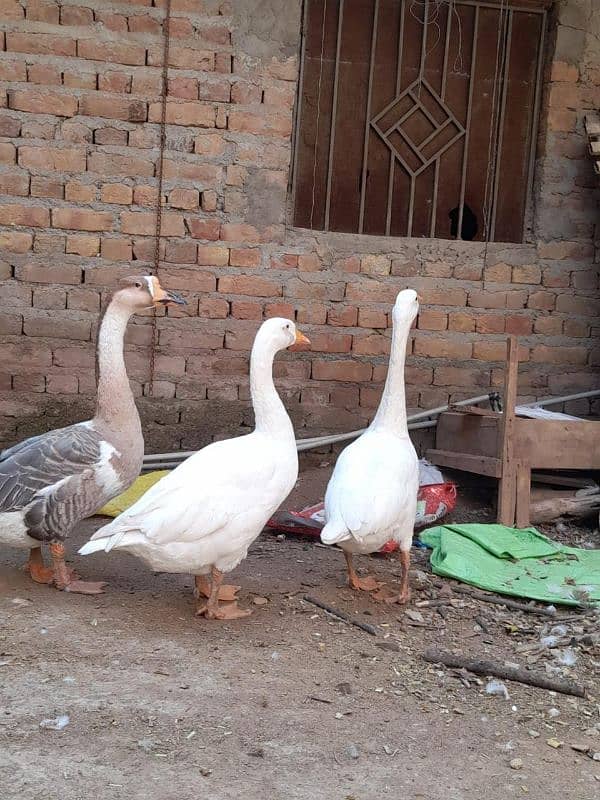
[(555, 278), (245, 257), (40, 11), (47, 74), (349, 371), (267, 124), (49, 298), (215, 89), (543, 301), (80, 192), (183, 58), (49, 243), (113, 52), (309, 263), (345, 316), (198, 115), (561, 71), (116, 249), (286, 261), (375, 265), (181, 28), (112, 136), (29, 383), (83, 300), (15, 241), (187, 280), (518, 325), (181, 252), (184, 198), (40, 44), (15, 184), (489, 323), (251, 285), (145, 24), (527, 274), (279, 309), (559, 250), (585, 279), (8, 153), (213, 308), (144, 223), (371, 345), (573, 304), (82, 245), (28, 216), (559, 355), (95, 105), (192, 171), (11, 10), (204, 228), (498, 273), (516, 299), (145, 195), (45, 273), (331, 342), (113, 164), (118, 193), (314, 314), (46, 187), (209, 144), (460, 376), (82, 219), (62, 384), (223, 63), (42, 101), (430, 320), (71, 15), (483, 299), (50, 158), (239, 232), (27, 355), (79, 80), (468, 272), (350, 264), (212, 255), (246, 93), (442, 297), (550, 326), (244, 309), (279, 96), (368, 318), (442, 347), (576, 329), (209, 200)]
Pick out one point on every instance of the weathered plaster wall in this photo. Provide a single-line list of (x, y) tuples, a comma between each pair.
[(79, 88)]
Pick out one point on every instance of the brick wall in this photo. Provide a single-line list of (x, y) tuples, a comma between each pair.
[(79, 91)]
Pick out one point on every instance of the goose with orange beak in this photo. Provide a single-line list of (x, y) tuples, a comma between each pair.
[(203, 516), (50, 482)]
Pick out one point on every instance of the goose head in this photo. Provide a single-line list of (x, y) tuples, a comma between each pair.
[(405, 308), (139, 292), (278, 333)]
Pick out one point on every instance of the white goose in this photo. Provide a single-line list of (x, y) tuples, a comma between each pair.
[(50, 482), (372, 495), (203, 516)]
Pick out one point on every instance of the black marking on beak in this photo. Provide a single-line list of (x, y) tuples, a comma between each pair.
[(172, 297)]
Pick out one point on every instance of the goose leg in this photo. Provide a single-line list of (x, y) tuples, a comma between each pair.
[(368, 584), (65, 580), (227, 592), (212, 609), (404, 594), (36, 568)]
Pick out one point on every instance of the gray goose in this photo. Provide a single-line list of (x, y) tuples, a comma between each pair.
[(48, 483)]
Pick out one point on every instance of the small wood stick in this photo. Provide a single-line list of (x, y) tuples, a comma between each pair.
[(502, 671), (342, 615), (504, 601)]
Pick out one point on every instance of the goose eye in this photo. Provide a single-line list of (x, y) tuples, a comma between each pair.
[(138, 285)]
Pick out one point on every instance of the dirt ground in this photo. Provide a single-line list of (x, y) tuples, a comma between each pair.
[(289, 703)]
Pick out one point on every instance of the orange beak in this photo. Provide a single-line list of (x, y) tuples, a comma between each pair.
[(161, 297), (301, 342)]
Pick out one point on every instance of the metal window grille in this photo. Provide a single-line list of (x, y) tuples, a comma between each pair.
[(418, 117)]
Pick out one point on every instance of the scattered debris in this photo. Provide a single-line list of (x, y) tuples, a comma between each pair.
[(393, 647), (260, 601), (553, 742), (497, 687), (342, 615), (495, 599), (19, 601), (502, 671), (57, 724), (516, 763), (352, 751)]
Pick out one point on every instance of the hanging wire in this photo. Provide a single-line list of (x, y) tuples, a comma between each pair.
[(159, 169), (314, 172)]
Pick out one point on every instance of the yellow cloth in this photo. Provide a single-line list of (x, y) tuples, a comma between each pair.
[(130, 496)]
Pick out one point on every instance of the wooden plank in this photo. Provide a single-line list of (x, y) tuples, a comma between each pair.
[(507, 489), (467, 462), (476, 410), (523, 494), (558, 444), (467, 433)]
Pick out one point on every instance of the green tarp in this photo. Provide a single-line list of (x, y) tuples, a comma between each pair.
[(523, 563)]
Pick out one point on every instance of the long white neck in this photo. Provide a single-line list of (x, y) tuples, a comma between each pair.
[(391, 414), (116, 405), (269, 412)]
